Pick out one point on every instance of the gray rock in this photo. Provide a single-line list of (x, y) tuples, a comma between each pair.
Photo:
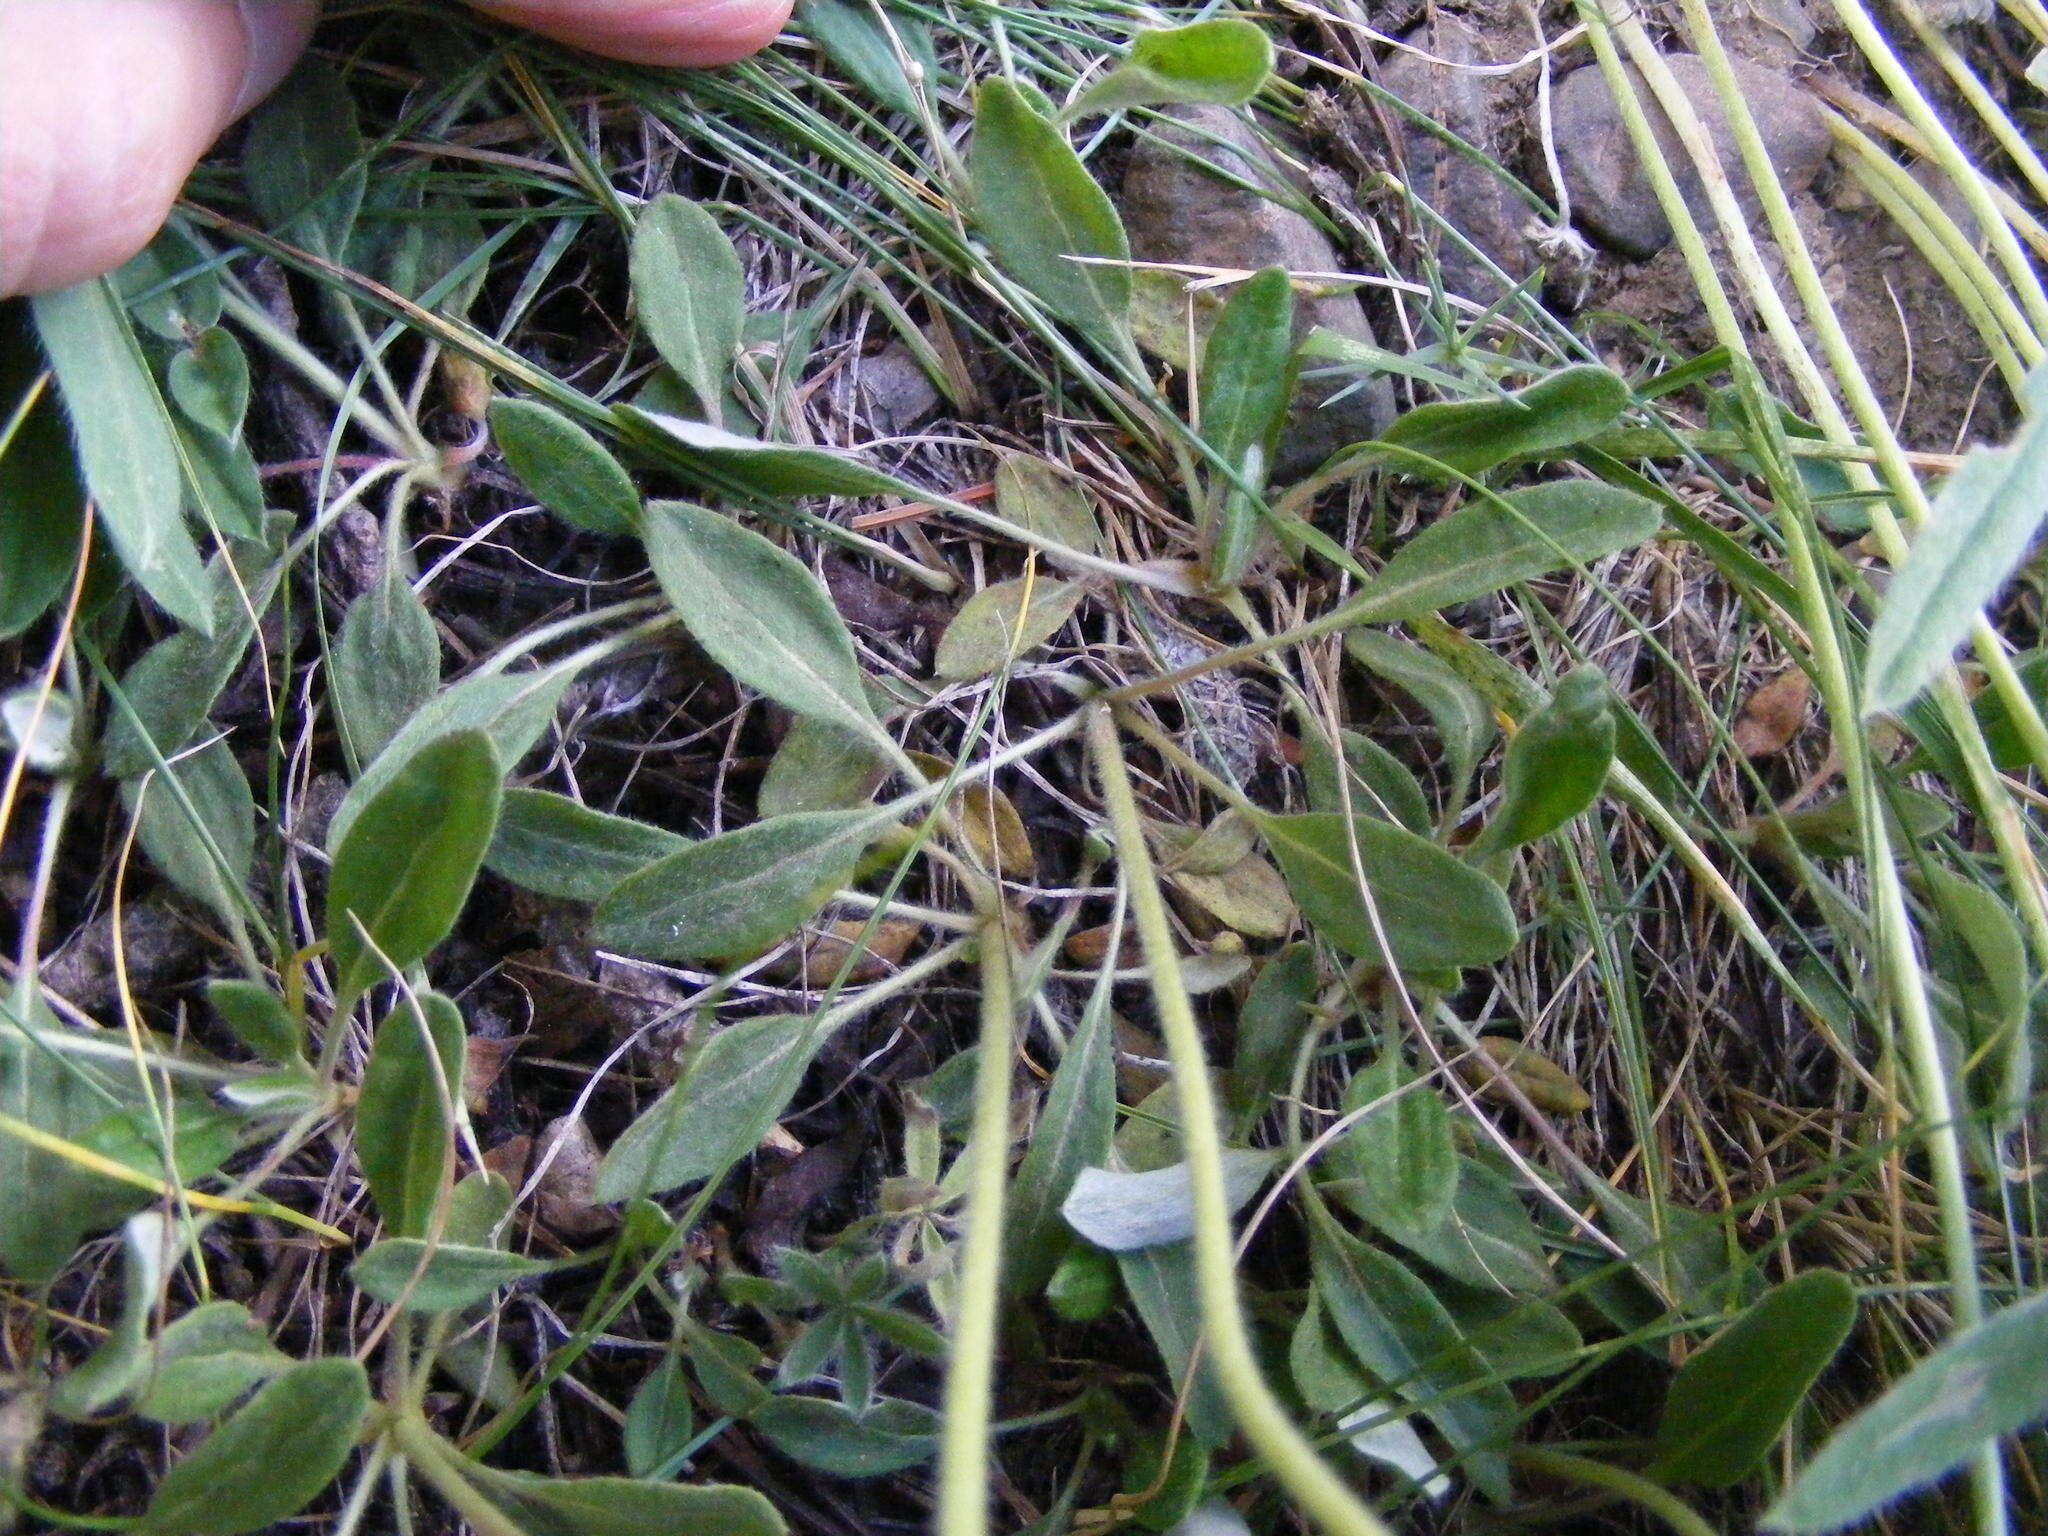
[(896, 393), (1180, 209), (1611, 196), (1478, 204)]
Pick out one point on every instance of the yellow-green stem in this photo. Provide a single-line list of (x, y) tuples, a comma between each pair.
[(1320, 1492)]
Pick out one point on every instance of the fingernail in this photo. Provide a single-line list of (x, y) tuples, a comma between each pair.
[(278, 30)]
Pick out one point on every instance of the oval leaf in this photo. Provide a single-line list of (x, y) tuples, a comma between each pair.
[(403, 872), (1036, 206), (758, 612), (736, 894), (560, 847), (1247, 388), (437, 1277), (1002, 622), (403, 1135), (1555, 765), (270, 1460), (1224, 60), (691, 294), (1470, 437), (1124, 1212), (386, 665), (1732, 1399), (1438, 912), (567, 470)]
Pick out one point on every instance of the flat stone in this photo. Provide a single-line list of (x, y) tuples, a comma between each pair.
[(1477, 203), (1181, 209), (1611, 196), (896, 393)]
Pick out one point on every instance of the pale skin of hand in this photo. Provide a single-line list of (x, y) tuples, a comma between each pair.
[(106, 105)]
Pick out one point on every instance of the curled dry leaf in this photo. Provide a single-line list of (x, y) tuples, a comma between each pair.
[(1250, 897), (1774, 715), (817, 961), (1089, 947), (483, 1060), (1548, 1086), (989, 822)]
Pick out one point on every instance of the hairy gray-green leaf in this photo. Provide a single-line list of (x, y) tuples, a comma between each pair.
[(1034, 495), (759, 613), (1383, 787), (511, 708), (1225, 60), (197, 823), (660, 1421), (736, 1087), (568, 471), (270, 1460), (890, 1436), (1002, 622), (560, 847), (1472, 436), (1073, 1133), (1461, 717), (871, 42), (1124, 1212), (42, 502), (1728, 1405), (205, 1361), (1984, 521), (1987, 1381), (1488, 545), (733, 895), (1436, 911), (1403, 1154), (403, 1130), (210, 381), (623, 1506), (440, 1277), (1247, 388), (1161, 1284), (386, 664), (819, 766), (691, 294), (126, 449), (1037, 206), (1409, 1342), (402, 873), (259, 1018)]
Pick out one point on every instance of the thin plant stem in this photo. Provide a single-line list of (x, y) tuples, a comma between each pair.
[(1322, 1494), (1639, 1491)]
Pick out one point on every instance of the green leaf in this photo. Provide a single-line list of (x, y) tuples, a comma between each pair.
[(1519, 1337), (209, 378), (735, 1089), (819, 767), (1989, 1380), (2001, 735), (1248, 373), (126, 450), (1409, 1342), (270, 1460), (1556, 764), (386, 664), (560, 847), (403, 1135), (1471, 437), (512, 708), (1487, 1241), (1404, 1154), (869, 42), (1124, 1212), (1437, 912), (42, 502), (660, 1421), (568, 471), (1073, 1132), (889, 1437), (776, 470), (1460, 715), (197, 823), (734, 895), (1161, 1284), (1383, 789), (259, 1018), (759, 613), (1225, 60), (1486, 546), (405, 868), (1981, 526), (441, 1277), (1002, 622), (225, 488), (112, 1369), (1270, 1026), (205, 1361), (1035, 495), (623, 1506), (691, 294), (304, 161), (1734, 1397), (1036, 206)]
